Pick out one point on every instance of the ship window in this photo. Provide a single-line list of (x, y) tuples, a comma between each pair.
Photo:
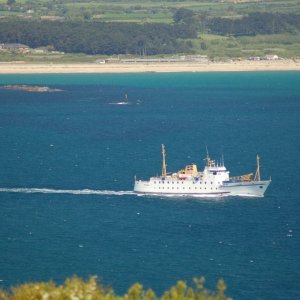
[(205, 182), (154, 181), (189, 188), (159, 182), (260, 186), (168, 182), (215, 173), (211, 182)]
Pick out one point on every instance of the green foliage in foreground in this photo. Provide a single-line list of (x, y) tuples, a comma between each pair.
[(75, 288)]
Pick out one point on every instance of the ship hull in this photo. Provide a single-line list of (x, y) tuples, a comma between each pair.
[(191, 188), (246, 189)]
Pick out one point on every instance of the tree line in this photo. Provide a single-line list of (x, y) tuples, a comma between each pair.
[(251, 24), (141, 39), (99, 37), (256, 23)]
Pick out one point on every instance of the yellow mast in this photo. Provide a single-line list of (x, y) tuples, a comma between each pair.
[(257, 174), (164, 166)]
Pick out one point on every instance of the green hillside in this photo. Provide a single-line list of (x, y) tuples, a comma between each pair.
[(219, 29)]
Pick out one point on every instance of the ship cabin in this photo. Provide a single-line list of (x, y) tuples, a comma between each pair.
[(189, 171)]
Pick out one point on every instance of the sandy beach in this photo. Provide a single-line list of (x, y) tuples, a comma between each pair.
[(68, 68)]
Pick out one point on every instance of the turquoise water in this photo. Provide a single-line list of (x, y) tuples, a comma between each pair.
[(82, 153)]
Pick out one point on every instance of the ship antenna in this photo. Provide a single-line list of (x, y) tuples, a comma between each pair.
[(257, 174), (164, 166)]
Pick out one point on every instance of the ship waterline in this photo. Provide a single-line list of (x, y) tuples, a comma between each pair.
[(213, 181)]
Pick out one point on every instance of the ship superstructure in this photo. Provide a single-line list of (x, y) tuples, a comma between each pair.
[(213, 181)]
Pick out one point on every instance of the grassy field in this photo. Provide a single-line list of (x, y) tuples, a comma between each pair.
[(283, 45), (141, 11)]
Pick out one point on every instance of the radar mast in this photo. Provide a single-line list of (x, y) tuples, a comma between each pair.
[(164, 166)]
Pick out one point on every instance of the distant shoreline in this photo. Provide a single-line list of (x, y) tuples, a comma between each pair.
[(93, 68)]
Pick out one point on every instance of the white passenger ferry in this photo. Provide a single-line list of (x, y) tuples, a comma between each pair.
[(213, 181)]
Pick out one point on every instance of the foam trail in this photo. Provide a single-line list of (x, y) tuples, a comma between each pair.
[(60, 191)]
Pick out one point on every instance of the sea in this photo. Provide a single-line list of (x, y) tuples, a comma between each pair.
[(68, 159)]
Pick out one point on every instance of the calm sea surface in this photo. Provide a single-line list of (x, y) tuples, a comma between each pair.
[(79, 152)]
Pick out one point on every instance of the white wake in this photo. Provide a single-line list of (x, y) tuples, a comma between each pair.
[(62, 191), (104, 192)]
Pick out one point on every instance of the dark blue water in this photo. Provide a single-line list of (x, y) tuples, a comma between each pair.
[(75, 140)]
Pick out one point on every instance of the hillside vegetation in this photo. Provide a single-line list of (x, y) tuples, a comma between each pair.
[(218, 29), (140, 10), (75, 288)]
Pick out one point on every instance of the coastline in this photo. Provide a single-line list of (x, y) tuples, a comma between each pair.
[(170, 67)]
